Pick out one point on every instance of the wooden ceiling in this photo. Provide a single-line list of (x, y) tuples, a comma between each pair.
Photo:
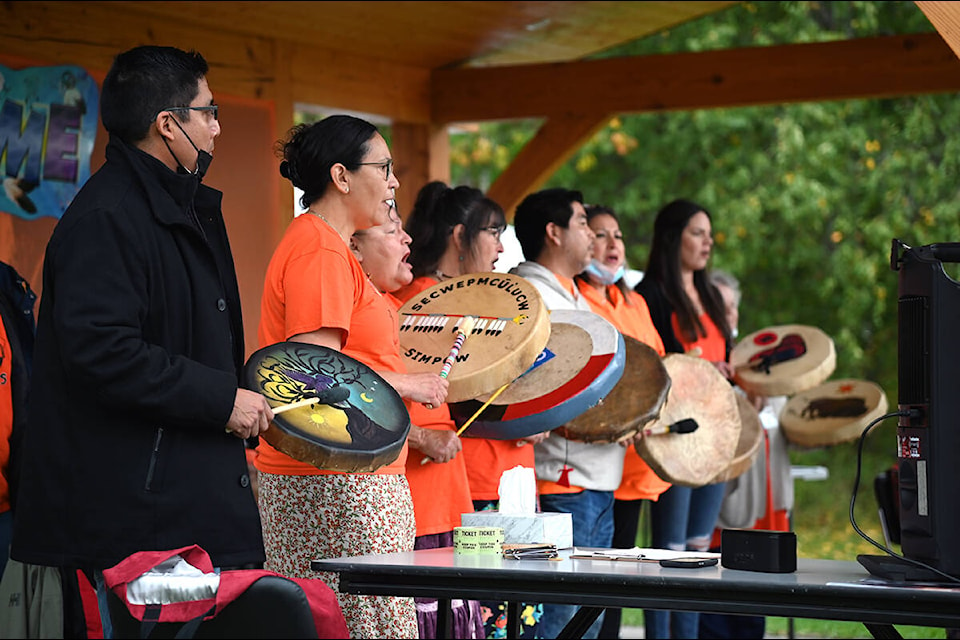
[(426, 65), (438, 35)]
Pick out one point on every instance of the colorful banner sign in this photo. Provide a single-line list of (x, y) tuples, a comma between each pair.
[(48, 123)]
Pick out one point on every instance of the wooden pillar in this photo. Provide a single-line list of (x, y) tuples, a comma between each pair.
[(421, 153), (283, 104), (556, 140)]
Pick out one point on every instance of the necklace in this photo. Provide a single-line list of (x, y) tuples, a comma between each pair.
[(329, 224), (375, 287), (441, 276), (319, 215)]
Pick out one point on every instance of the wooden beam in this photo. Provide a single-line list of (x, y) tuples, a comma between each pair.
[(945, 17), (90, 34), (881, 67), (556, 140), (333, 79)]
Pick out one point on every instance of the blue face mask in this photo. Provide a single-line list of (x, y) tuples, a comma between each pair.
[(604, 275)]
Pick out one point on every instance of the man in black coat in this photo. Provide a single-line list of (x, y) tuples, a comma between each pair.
[(136, 422)]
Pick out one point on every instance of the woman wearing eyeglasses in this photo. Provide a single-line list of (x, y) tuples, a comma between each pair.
[(455, 231), (317, 291)]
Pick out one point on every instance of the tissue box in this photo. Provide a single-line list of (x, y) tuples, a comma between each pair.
[(538, 528)]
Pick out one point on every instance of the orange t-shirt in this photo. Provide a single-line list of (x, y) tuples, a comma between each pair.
[(314, 281), (485, 459), (440, 491), (713, 346), (639, 482), (6, 417)]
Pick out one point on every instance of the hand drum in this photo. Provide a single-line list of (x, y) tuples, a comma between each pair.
[(698, 391), (634, 401), (512, 329), (782, 360), (358, 423), (836, 411), (581, 364)]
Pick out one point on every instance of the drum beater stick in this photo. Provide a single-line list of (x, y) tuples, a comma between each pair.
[(687, 425), (463, 332), (466, 326), (480, 410), (332, 395), (477, 414)]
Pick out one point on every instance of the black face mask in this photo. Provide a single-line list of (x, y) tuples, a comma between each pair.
[(203, 158)]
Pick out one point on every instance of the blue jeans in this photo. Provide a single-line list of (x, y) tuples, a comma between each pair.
[(105, 618), (682, 519), (592, 515)]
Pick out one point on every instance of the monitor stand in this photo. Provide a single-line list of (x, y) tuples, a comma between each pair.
[(896, 570)]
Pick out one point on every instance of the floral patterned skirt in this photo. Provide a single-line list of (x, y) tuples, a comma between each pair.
[(337, 515)]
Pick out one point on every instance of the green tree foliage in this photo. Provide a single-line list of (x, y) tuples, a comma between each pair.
[(805, 198)]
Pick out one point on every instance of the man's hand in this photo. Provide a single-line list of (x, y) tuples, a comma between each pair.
[(439, 446), (251, 414)]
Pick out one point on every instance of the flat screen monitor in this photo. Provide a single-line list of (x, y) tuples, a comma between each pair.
[(928, 441)]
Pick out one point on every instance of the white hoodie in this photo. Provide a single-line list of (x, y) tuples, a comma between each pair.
[(598, 467)]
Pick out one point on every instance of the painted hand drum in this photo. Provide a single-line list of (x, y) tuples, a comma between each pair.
[(698, 391), (512, 329), (748, 446), (634, 401), (836, 411), (582, 362), (358, 423), (782, 360)]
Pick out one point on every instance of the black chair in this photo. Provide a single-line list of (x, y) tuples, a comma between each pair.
[(272, 607)]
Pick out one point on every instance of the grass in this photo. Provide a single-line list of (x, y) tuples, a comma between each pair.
[(822, 523)]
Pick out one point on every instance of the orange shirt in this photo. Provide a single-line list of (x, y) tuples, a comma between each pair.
[(314, 281), (631, 319), (6, 417), (639, 482), (485, 459), (713, 346), (440, 491)]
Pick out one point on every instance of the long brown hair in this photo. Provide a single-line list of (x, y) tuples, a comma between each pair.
[(663, 266)]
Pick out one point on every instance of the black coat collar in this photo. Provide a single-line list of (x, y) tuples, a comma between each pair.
[(171, 194)]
